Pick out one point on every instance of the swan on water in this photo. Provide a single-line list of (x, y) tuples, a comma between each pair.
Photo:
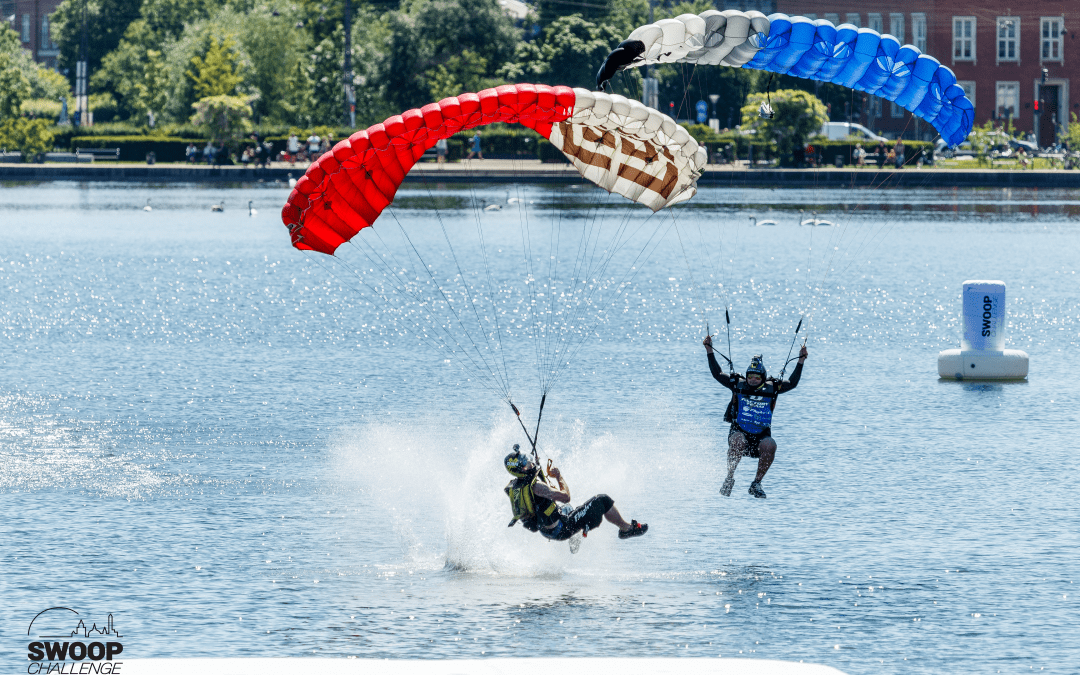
[(493, 207), (763, 223), (292, 181), (809, 222), (252, 212), (219, 207), (147, 207)]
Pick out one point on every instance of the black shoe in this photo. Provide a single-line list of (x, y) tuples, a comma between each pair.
[(636, 530), (755, 489), (729, 483)]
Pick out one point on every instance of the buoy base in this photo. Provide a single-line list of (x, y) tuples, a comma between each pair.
[(1008, 364)]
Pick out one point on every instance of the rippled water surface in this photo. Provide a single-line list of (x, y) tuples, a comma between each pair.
[(238, 451)]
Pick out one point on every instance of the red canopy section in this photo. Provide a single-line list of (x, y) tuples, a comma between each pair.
[(348, 188)]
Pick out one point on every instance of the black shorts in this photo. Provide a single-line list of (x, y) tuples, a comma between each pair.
[(588, 515), (752, 440)]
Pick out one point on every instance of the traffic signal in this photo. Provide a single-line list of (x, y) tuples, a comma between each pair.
[(1036, 105)]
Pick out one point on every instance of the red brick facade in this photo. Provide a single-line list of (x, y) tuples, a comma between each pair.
[(31, 22), (997, 50)]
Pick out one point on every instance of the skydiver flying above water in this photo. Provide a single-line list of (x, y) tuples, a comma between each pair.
[(750, 413), (536, 504)]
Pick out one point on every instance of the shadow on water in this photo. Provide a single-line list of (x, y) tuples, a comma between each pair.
[(983, 386)]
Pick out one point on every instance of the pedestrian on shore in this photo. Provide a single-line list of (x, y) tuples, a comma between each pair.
[(256, 151), (268, 153), (860, 155), (292, 148), (192, 153), (442, 148), (898, 151), (882, 152), (208, 153), (313, 143), (475, 148)]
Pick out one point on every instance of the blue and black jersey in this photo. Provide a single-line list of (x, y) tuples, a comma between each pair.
[(752, 409)]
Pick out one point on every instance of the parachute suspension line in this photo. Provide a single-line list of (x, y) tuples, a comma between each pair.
[(578, 298), (588, 277), (491, 285), (690, 270), (626, 280), (423, 303), (862, 240), (449, 302), (476, 370)]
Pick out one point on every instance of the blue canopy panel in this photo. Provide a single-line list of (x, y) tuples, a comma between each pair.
[(862, 59)]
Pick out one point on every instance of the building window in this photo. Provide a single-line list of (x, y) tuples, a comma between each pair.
[(895, 110), (918, 31), (1008, 100), (834, 19), (853, 19), (875, 23), (26, 28), (1008, 38), (963, 38), (812, 17), (969, 90), (896, 26), (1052, 28)]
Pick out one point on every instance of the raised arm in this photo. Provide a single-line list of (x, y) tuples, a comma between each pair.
[(714, 365), (793, 381)]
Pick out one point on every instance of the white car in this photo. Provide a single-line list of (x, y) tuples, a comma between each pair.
[(838, 131)]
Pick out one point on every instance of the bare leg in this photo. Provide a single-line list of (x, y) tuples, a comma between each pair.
[(767, 449), (615, 518), (736, 446)]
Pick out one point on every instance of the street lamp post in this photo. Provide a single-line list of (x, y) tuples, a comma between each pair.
[(82, 76), (347, 75)]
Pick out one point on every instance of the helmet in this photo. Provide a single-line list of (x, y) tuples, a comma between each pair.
[(757, 367), (516, 462)]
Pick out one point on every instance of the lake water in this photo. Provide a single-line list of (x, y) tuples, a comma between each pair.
[(237, 451)]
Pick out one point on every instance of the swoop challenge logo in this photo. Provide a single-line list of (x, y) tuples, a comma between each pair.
[(62, 644)]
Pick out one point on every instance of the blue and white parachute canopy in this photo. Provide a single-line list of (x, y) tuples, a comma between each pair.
[(859, 58)]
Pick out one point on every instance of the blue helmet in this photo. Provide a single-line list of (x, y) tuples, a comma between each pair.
[(757, 367)]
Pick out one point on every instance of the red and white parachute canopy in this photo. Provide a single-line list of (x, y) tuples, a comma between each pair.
[(619, 144)]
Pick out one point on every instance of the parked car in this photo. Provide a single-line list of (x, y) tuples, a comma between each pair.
[(838, 131)]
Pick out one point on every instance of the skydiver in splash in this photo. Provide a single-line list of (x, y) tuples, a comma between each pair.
[(750, 411)]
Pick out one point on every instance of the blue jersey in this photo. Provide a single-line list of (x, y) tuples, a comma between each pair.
[(752, 409), (755, 411)]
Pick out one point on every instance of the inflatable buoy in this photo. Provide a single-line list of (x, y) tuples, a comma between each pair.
[(982, 354)]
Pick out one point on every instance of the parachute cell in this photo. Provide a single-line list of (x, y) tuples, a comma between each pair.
[(619, 144), (858, 58)]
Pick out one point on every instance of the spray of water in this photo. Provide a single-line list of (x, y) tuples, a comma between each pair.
[(441, 487)]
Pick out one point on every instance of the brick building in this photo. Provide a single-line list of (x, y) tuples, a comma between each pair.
[(30, 19), (997, 49)]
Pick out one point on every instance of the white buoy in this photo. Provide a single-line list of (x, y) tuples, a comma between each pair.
[(982, 354)]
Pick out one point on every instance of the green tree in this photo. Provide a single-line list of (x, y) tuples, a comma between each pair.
[(1072, 133), (106, 22), (33, 138), (15, 84), (427, 33), (568, 51), (798, 115), (225, 118), (218, 72)]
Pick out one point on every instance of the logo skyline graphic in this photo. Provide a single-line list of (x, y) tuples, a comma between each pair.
[(80, 628)]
